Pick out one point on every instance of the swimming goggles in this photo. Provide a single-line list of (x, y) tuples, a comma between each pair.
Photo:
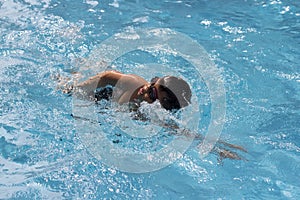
[(152, 92)]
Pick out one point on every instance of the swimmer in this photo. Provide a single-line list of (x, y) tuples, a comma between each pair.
[(173, 93)]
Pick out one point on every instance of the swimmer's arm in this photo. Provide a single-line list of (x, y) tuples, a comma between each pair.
[(221, 148), (86, 89)]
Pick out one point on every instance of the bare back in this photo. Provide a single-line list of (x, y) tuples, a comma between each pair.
[(125, 85)]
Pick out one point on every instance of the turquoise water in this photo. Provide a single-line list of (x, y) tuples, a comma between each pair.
[(255, 44)]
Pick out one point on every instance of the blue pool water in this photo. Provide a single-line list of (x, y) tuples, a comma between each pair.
[(254, 43)]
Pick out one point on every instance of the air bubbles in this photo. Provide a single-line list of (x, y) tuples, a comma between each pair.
[(285, 10), (206, 22)]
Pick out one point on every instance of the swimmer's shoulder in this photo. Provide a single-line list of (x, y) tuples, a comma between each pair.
[(114, 76), (109, 76), (110, 73), (136, 79)]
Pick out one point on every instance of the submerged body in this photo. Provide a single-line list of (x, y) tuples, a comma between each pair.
[(173, 93)]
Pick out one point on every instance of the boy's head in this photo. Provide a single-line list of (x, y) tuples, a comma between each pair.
[(172, 92)]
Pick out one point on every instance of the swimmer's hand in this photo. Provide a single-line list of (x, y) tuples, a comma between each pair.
[(223, 153), (226, 150)]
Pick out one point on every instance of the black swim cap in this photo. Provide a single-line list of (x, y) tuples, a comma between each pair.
[(178, 92)]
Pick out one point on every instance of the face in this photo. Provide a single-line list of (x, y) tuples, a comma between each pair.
[(148, 93), (161, 95), (151, 93)]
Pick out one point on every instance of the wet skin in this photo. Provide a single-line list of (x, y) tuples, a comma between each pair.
[(131, 88)]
